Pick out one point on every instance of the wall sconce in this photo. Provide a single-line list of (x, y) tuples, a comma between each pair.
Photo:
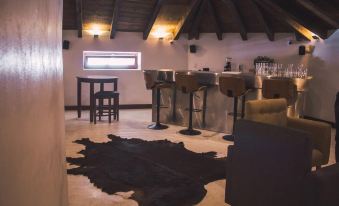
[(96, 34), (162, 33), (96, 31)]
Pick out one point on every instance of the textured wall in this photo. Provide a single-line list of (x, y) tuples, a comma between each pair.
[(155, 55), (32, 164), (322, 64)]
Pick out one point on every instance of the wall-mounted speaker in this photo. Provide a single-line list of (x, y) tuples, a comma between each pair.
[(65, 44), (302, 50), (193, 48)]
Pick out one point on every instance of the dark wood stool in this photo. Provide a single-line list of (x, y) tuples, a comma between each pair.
[(233, 87), (188, 83), (106, 110), (157, 85)]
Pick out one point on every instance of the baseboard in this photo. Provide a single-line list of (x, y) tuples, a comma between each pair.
[(123, 106), (320, 120)]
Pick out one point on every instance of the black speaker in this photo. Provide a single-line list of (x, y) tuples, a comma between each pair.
[(302, 50), (193, 49), (65, 44)]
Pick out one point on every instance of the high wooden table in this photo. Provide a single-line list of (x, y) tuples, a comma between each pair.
[(93, 79)]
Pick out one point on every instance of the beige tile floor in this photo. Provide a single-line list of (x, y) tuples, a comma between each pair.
[(133, 124)]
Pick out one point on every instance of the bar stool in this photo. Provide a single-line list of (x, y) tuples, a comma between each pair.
[(280, 88), (106, 110), (233, 87), (150, 85), (189, 84)]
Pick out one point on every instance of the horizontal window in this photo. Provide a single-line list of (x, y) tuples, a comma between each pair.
[(94, 60)]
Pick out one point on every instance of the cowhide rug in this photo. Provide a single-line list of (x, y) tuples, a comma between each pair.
[(159, 172)]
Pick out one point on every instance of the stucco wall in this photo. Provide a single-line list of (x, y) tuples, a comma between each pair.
[(155, 55), (32, 165), (323, 64)]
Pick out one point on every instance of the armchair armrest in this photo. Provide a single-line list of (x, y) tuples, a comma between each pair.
[(320, 133), (323, 186)]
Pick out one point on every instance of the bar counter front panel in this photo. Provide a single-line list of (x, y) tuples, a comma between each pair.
[(214, 114)]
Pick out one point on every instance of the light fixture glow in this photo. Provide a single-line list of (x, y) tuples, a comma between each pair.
[(95, 30), (161, 33)]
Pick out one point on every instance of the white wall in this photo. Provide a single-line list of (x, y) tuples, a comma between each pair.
[(155, 55), (31, 104), (323, 63)]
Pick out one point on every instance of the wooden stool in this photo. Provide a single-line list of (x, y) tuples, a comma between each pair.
[(158, 85), (188, 83), (106, 110), (280, 88), (233, 87)]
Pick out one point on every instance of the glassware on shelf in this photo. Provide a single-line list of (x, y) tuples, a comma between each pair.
[(279, 70)]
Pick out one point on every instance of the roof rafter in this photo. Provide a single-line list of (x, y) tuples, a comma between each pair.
[(275, 10), (318, 12), (78, 7), (268, 30), (115, 17), (184, 19), (194, 32), (239, 20), (216, 18), (152, 19)]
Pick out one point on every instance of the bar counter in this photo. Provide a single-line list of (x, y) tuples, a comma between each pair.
[(214, 106)]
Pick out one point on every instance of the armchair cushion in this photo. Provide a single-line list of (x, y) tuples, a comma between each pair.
[(270, 111)]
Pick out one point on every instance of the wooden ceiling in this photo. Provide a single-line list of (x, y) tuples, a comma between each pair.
[(303, 17)]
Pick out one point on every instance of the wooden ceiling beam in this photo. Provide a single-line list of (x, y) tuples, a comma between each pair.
[(238, 19), (194, 32), (259, 14), (78, 7), (184, 19), (318, 12), (152, 18), (285, 17), (216, 18), (115, 17)]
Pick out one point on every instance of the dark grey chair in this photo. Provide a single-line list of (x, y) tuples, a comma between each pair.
[(271, 165)]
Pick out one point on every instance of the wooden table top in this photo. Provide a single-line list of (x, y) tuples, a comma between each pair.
[(98, 77)]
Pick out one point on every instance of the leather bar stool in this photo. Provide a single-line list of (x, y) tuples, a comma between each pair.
[(188, 83), (280, 88), (233, 87), (157, 85), (106, 110)]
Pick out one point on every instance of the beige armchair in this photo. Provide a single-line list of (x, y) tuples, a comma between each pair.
[(274, 111)]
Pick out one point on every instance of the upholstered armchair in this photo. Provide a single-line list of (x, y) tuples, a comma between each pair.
[(271, 165), (274, 111)]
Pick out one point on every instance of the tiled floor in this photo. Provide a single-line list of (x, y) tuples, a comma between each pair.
[(133, 124)]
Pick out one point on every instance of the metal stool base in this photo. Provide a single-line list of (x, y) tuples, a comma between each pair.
[(157, 126), (229, 137), (190, 132)]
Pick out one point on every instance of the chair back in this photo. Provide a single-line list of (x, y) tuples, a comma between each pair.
[(187, 83), (280, 88), (232, 86), (267, 165), (149, 80), (269, 111)]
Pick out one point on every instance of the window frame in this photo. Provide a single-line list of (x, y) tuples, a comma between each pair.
[(112, 54)]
